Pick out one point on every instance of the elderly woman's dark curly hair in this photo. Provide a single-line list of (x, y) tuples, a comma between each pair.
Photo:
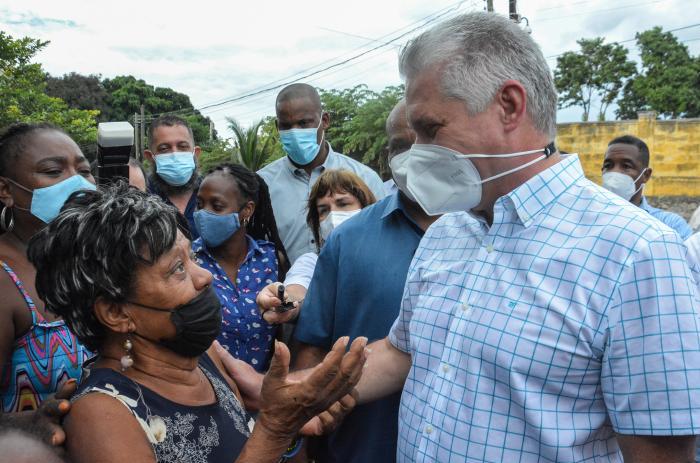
[(92, 250)]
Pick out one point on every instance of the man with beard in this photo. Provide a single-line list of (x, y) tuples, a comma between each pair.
[(174, 155)]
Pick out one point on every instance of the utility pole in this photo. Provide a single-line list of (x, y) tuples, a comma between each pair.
[(142, 137), (513, 10), (211, 130), (137, 133), (489, 6)]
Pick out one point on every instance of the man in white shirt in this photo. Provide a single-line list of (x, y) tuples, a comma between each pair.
[(544, 318)]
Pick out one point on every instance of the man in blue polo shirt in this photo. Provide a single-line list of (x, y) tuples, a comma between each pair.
[(363, 267)]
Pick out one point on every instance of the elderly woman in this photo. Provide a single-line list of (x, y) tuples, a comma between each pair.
[(115, 266), (336, 196)]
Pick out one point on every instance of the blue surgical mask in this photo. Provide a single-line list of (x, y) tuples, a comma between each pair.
[(48, 201), (300, 144), (175, 168), (216, 228)]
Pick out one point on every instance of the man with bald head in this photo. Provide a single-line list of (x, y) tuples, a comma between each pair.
[(356, 291), (400, 138), (302, 126)]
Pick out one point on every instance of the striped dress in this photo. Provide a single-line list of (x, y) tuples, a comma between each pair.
[(42, 359)]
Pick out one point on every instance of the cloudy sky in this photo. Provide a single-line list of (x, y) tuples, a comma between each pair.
[(217, 51)]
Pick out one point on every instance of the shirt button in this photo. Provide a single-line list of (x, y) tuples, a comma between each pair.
[(465, 307), (489, 248), (428, 429), (526, 218), (445, 368)]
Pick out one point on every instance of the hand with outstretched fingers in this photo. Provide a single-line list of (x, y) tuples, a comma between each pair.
[(324, 394)]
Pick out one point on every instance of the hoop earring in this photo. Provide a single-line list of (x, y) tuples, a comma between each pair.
[(3, 223), (127, 360)]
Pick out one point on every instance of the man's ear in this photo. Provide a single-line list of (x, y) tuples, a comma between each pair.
[(113, 316), (647, 175), (325, 120), (5, 194), (197, 152), (512, 102), (148, 154)]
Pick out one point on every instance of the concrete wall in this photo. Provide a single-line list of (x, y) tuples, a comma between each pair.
[(674, 146)]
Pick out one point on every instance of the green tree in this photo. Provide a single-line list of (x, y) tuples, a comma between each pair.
[(596, 73), (367, 130), (24, 98), (217, 152), (80, 92), (668, 82), (252, 149), (269, 130), (343, 106), (126, 94)]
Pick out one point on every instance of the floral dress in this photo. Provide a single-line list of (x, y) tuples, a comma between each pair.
[(213, 433), (244, 333)]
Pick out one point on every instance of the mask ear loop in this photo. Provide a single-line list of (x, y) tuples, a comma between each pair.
[(548, 151), (21, 187), (640, 186)]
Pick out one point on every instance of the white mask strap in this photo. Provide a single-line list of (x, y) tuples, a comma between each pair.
[(515, 169)]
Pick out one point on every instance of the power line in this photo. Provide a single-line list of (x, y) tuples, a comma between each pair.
[(448, 8), (635, 38), (427, 20), (565, 5), (634, 5)]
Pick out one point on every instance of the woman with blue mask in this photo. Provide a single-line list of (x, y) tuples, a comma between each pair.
[(240, 246), (40, 167)]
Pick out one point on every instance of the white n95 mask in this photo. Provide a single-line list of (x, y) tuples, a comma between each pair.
[(443, 180), (333, 220), (399, 171), (621, 184)]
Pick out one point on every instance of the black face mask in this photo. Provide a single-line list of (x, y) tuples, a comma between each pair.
[(197, 324)]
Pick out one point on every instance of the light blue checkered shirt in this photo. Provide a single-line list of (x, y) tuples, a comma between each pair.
[(574, 316)]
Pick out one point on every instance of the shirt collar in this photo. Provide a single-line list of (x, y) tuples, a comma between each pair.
[(392, 204), (327, 164), (198, 246), (530, 198), (645, 205)]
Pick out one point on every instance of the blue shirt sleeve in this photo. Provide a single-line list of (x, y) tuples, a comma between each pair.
[(317, 316), (679, 224)]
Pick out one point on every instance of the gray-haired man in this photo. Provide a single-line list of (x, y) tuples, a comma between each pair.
[(553, 321), (544, 318)]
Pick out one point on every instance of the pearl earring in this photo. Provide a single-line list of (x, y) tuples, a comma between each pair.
[(126, 360)]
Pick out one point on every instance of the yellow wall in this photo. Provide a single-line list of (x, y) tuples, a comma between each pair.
[(674, 146)]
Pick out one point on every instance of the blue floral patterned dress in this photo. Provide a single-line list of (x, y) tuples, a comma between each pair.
[(244, 333)]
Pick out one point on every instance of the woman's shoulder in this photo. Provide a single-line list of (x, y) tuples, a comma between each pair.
[(108, 382)]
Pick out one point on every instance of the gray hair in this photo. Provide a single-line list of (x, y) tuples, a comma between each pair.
[(480, 51), (92, 250)]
